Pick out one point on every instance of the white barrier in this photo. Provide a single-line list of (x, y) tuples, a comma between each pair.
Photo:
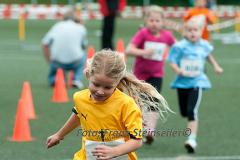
[(91, 11)]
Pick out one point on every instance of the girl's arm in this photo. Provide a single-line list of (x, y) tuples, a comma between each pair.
[(214, 63), (132, 50), (176, 69), (70, 125), (104, 152)]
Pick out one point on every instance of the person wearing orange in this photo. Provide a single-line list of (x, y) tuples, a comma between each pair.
[(208, 16)]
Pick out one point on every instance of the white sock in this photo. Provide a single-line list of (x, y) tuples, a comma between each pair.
[(192, 136)]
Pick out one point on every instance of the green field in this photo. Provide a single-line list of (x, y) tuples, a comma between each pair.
[(219, 111)]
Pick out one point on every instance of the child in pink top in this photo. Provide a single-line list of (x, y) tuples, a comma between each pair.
[(149, 45)]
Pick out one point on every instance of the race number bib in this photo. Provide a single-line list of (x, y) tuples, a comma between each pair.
[(160, 49), (90, 145), (191, 68)]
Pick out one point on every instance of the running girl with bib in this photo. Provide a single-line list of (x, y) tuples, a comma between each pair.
[(110, 111), (187, 59), (150, 46)]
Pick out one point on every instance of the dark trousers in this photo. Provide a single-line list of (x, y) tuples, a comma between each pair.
[(108, 32), (189, 101), (156, 82)]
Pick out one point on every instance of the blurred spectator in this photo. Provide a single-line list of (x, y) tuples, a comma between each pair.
[(109, 10), (211, 4), (200, 9), (64, 46)]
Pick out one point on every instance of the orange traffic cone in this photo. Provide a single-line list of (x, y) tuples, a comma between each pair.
[(27, 101), (90, 54), (59, 91), (120, 47), (70, 79), (165, 53), (21, 131)]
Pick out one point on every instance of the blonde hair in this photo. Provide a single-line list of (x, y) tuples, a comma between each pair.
[(153, 9), (112, 65), (198, 21), (200, 3)]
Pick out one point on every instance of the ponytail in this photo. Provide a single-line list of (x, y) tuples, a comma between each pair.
[(144, 94)]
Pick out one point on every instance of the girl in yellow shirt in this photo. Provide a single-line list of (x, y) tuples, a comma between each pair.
[(110, 111)]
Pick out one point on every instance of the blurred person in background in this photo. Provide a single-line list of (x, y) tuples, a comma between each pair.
[(64, 47), (187, 59), (149, 45), (211, 4), (109, 9), (207, 16)]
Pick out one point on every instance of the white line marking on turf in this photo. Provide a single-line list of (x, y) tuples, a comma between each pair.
[(185, 157), (195, 158), (26, 47), (31, 47), (22, 58)]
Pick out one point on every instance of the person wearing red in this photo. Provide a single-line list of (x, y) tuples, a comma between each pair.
[(109, 10)]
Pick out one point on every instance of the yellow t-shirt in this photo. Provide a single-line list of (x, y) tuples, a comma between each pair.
[(112, 119)]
